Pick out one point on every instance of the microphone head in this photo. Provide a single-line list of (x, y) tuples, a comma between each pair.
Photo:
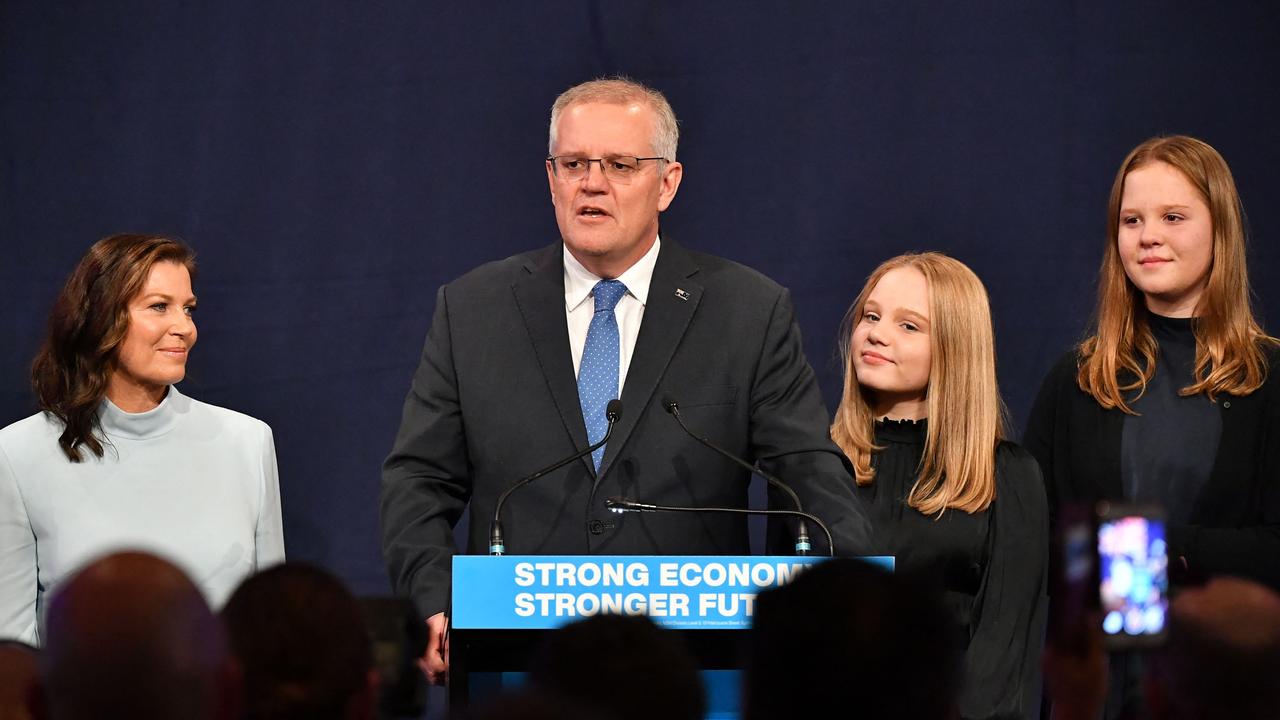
[(670, 405), (617, 505), (613, 411)]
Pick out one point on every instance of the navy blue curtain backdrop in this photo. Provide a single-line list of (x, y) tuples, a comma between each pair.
[(333, 163)]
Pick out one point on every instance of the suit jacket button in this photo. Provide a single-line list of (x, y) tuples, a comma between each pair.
[(1226, 404), (596, 527)]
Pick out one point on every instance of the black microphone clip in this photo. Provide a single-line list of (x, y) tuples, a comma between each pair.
[(626, 505)]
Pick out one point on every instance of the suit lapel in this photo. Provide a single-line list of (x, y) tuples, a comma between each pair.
[(673, 298), (540, 296)]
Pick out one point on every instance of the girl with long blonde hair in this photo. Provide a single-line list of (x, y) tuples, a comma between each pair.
[(922, 421)]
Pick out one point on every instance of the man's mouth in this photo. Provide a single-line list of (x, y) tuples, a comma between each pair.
[(593, 212)]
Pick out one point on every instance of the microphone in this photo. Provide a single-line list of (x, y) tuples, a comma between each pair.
[(803, 546), (612, 412), (626, 505)]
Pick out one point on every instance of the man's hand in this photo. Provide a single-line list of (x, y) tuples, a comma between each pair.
[(435, 661)]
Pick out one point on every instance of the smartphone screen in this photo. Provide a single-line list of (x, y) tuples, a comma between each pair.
[(1133, 564)]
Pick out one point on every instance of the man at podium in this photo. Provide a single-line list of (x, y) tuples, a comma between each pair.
[(526, 356)]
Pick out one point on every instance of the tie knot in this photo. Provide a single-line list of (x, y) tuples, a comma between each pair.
[(607, 293)]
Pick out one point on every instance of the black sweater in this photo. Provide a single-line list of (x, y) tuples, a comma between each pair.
[(1234, 527)]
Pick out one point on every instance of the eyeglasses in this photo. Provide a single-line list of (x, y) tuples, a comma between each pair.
[(617, 168)]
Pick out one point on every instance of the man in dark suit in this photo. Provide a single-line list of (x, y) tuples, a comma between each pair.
[(523, 355)]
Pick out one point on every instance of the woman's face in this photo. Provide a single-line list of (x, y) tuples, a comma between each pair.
[(161, 331), (891, 353), (1165, 238)]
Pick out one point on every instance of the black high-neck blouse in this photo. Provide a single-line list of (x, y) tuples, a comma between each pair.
[(951, 550), (990, 565)]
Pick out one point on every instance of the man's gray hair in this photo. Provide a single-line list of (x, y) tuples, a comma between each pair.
[(621, 90)]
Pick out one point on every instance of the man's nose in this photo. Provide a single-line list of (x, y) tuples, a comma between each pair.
[(595, 179)]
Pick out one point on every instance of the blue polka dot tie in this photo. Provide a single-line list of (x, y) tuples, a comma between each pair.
[(598, 372)]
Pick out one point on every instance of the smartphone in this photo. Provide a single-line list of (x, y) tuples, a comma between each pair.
[(1133, 575)]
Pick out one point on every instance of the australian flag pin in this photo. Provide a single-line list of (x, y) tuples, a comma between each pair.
[(680, 293)]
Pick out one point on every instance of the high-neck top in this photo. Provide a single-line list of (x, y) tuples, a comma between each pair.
[(989, 564), (949, 550), (901, 431), (1167, 450), (1174, 334), (152, 423), (185, 480)]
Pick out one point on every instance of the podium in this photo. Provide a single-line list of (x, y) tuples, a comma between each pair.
[(502, 606)]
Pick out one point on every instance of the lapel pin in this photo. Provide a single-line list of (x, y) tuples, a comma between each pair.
[(680, 293)]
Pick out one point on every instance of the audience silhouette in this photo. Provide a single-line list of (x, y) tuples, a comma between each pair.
[(130, 636), (850, 636), (302, 645)]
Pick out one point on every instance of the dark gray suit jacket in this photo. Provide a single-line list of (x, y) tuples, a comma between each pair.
[(495, 399)]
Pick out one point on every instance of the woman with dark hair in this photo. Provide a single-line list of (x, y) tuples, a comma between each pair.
[(1171, 398), (118, 457)]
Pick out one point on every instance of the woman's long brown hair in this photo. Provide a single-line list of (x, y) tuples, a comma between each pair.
[(1120, 356), (90, 319)]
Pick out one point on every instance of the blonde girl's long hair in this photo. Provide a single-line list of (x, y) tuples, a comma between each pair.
[(1120, 356), (966, 414)]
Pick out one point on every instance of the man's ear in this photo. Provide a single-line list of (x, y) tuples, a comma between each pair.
[(671, 176)]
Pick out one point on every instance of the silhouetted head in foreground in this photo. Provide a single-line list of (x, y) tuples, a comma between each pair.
[(303, 647), (17, 675), (534, 703), (847, 634), (624, 666), (130, 636), (1223, 654)]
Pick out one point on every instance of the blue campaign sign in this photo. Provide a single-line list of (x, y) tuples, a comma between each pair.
[(509, 592)]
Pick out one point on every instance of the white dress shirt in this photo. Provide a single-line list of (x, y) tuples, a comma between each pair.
[(579, 306)]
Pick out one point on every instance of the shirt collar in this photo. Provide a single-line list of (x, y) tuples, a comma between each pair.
[(141, 426), (579, 281)]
